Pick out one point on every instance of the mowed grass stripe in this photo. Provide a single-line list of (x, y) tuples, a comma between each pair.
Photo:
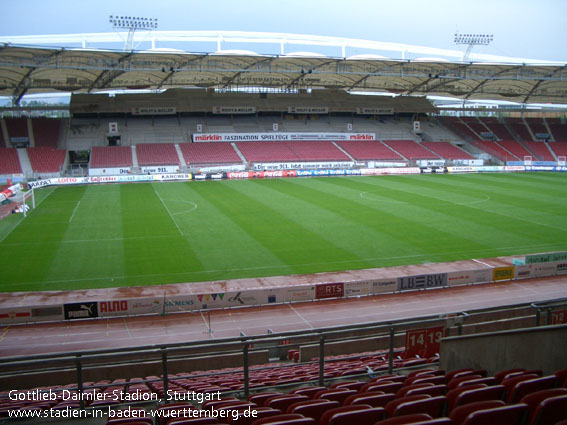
[(274, 226), (155, 259), (538, 195), (235, 229), (355, 227), (99, 255), (221, 245), (511, 213), (43, 230), (461, 228), (517, 204), (331, 218), (427, 233)]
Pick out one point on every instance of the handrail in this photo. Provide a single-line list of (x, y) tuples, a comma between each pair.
[(81, 360)]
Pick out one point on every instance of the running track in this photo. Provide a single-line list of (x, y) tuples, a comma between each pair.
[(19, 340)]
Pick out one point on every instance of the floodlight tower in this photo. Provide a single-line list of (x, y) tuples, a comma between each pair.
[(471, 40), (132, 24)]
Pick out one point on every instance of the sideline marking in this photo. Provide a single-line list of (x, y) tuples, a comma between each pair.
[(22, 219), (481, 262), (542, 246)]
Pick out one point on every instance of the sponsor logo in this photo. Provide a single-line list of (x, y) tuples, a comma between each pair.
[(179, 303), (210, 297), (503, 273), (207, 138), (422, 281), (146, 305), (112, 306), (329, 290), (361, 137), (39, 183), (240, 299), (80, 310)]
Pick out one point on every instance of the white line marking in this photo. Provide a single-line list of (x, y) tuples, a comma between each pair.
[(486, 199), (481, 262), (126, 326), (383, 200), (91, 240), (19, 222), (168, 211), (284, 266), (74, 211), (195, 206), (300, 316)]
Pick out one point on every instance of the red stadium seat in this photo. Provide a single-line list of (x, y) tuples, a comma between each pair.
[(405, 420), (374, 399), (367, 416), (284, 419), (460, 413), (534, 399), (284, 401), (433, 406), (495, 392), (550, 411), (326, 417), (334, 395), (309, 391), (505, 415), (260, 398), (432, 390), (393, 405), (530, 386), (313, 408)]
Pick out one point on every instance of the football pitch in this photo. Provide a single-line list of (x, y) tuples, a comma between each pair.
[(153, 233)]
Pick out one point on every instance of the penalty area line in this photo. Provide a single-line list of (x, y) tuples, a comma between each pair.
[(74, 211)]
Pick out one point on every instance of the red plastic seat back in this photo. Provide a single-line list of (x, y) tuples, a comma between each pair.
[(506, 415), (550, 411), (459, 414), (433, 406)]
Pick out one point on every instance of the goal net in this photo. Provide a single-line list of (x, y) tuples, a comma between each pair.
[(25, 202)]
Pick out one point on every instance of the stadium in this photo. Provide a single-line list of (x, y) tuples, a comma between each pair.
[(298, 238)]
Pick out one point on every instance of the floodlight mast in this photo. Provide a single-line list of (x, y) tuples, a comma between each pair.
[(132, 24), (471, 40)]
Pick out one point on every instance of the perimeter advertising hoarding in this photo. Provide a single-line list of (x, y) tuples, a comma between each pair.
[(65, 181), (369, 287), (279, 137), (85, 310), (467, 277), (423, 281)]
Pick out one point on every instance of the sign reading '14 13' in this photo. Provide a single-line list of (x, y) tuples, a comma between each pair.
[(423, 281)]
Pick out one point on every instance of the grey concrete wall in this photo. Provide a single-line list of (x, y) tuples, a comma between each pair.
[(542, 348)]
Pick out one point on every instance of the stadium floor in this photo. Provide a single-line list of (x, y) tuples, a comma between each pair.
[(18, 340)]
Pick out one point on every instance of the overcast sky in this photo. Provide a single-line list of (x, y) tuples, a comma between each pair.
[(534, 29)]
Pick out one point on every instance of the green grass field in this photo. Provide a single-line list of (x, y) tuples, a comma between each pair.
[(149, 234)]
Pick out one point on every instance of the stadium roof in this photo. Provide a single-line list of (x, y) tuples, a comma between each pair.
[(28, 70)]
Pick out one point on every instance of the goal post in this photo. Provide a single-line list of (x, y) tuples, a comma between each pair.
[(25, 201)]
